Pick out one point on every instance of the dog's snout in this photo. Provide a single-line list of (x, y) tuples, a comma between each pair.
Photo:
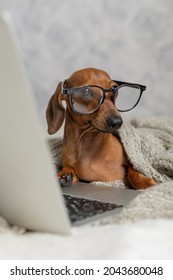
[(114, 122)]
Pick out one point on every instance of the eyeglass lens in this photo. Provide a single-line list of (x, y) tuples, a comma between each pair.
[(127, 97), (86, 100)]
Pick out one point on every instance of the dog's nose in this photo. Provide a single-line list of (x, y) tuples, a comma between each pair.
[(114, 122)]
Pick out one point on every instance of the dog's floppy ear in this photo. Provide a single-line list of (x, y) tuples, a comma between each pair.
[(55, 112)]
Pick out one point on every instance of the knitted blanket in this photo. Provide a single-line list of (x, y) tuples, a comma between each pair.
[(149, 146)]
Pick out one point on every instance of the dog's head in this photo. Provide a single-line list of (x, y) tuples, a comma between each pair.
[(98, 110)]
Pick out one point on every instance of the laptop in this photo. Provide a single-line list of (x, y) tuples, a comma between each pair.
[(30, 193)]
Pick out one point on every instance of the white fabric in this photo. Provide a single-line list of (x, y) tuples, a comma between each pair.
[(149, 239)]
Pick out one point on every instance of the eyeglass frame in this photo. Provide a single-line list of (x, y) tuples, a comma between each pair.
[(113, 89)]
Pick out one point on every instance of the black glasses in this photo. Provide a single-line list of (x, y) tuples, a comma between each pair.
[(88, 99)]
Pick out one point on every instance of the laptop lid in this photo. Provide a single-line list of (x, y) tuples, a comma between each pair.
[(29, 191)]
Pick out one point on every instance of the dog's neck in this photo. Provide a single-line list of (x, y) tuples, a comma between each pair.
[(83, 132)]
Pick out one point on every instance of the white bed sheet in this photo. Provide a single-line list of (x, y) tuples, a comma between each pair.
[(147, 239)]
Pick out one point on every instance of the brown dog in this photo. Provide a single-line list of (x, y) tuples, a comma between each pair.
[(91, 150)]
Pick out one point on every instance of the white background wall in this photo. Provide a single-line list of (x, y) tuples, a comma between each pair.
[(132, 40)]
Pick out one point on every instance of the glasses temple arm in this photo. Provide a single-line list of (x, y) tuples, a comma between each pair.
[(132, 84)]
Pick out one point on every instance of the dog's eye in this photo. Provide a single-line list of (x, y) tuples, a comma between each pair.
[(86, 93)]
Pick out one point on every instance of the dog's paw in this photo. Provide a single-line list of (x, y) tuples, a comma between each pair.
[(139, 180), (66, 177), (66, 180)]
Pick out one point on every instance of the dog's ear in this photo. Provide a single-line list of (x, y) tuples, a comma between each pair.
[(55, 112)]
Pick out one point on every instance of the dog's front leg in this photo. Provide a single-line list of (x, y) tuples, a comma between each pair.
[(138, 180), (67, 176)]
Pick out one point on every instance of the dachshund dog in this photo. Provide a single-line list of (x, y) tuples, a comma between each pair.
[(91, 150)]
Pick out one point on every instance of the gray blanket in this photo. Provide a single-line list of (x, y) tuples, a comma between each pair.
[(149, 146)]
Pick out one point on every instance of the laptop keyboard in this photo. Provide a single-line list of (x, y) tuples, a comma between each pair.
[(81, 208)]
